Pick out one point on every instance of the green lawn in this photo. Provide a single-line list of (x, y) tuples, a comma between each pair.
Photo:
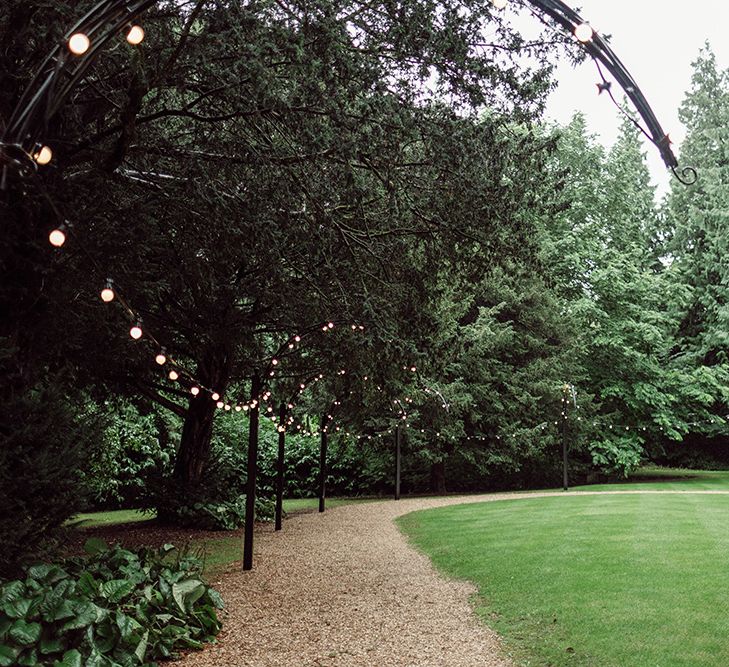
[(110, 518), (598, 581)]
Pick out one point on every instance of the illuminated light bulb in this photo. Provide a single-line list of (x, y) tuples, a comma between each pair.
[(354, 327), (361, 327), (43, 156), (161, 359), (245, 408), (215, 396), (291, 346), (325, 328), (303, 386), (238, 408), (107, 294), (331, 325), (227, 406), (274, 362), (290, 406), (135, 35), (173, 375), (78, 44), (412, 369), (194, 391), (57, 237), (584, 32), (219, 405), (281, 429), (136, 331), (500, 4), (269, 409), (254, 403), (271, 374), (297, 339)]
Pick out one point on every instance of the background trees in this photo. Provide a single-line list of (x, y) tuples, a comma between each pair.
[(256, 170)]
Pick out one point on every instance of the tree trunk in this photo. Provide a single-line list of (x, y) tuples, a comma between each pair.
[(197, 431), (437, 477)]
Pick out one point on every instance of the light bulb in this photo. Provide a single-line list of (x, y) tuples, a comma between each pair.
[(238, 408), (78, 44), (331, 325), (500, 4), (135, 35), (297, 339), (412, 369), (194, 391), (227, 406), (161, 358), (136, 331), (584, 32), (219, 404), (245, 408), (173, 375), (215, 396), (43, 156), (274, 362), (107, 294), (57, 237), (281, 429)]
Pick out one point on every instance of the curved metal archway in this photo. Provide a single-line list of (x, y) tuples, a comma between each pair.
[(21, 142)]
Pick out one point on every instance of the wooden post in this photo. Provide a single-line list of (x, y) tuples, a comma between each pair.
[(323, 463), (565, 405), (397, 462), (252, 468), (280, 465)]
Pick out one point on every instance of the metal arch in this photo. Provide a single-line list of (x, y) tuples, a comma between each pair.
[(600, 50), (61, 71)]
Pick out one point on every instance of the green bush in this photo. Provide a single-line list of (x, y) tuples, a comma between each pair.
[(46, 438), (113, 608), (135, 448)]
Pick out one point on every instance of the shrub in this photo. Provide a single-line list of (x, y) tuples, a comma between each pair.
[(44, 440), (114, 607)]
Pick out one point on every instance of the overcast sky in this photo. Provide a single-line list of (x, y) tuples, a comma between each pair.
[(657, 40)]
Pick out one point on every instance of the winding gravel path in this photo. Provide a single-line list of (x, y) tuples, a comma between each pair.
[(345, 589)]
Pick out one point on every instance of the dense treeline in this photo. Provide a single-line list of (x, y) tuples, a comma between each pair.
[(256, 169)]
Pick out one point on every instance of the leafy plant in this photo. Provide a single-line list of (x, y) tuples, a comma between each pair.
[(112, 608)]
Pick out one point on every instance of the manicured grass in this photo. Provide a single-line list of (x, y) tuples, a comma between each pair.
[(595, 581), (112, 518), (667, 479)]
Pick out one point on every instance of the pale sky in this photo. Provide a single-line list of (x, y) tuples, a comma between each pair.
[(656, 40)]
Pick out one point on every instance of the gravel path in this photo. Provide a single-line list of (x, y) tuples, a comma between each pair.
[(345, 589)]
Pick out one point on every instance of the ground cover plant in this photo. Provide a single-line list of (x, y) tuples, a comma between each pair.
[(114, 607), (595, 580)]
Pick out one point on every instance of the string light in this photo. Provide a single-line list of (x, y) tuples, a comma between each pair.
[(219, 404), (215, 396), (194, 390), (58, 236), (584, 32), (78, 44), (43, 156), (161, 359), (135, 35), (173, 375), (107, 294), (136, 331), (500, 4)]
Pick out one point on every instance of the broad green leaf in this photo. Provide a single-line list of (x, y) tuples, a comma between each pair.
[(71, 658), (7, 656), (86, 613), (49, 645), (11, 591), (116, 589), (127, 625), (187, 593), (95, 545), (19, 608), (25, 633)]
